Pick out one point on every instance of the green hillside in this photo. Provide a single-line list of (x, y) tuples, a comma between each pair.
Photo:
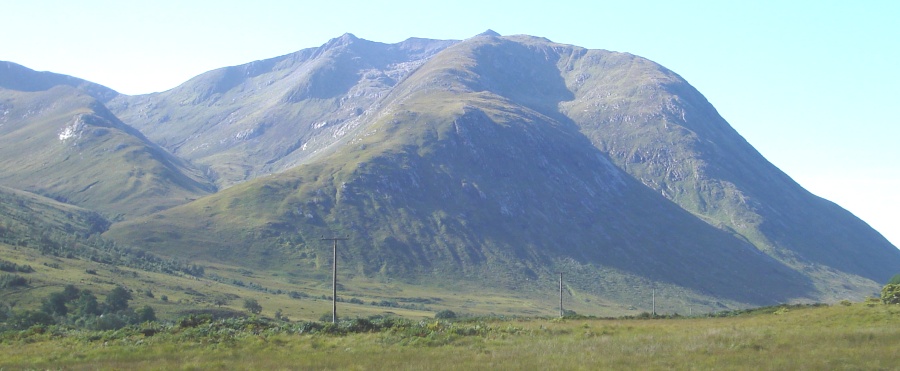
[(64, 144)]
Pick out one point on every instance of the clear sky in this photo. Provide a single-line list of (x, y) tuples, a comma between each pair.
[(813, 85)]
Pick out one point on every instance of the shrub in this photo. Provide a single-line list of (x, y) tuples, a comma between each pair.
[(326, 317), (445, 314), (194, 320), (146, 314), (890, 294), (279, 315), (55, 304), (252, 306), (118, 299), (28, 318), (109, 321), (12, 280), (360, 325)]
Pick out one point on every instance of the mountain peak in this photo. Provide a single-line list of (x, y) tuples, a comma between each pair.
[(489, 32), (343, 40), (348, 37)]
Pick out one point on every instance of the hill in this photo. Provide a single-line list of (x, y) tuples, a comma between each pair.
[(62, 142)]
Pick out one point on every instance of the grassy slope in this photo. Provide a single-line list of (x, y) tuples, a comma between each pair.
[(20, 208), (29, 222), (64, 144), (837, 337)]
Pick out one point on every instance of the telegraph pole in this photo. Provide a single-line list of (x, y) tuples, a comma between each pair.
[(561, 312), (334, 276)]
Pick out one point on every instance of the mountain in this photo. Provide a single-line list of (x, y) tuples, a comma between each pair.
[(498, 160), (59, 140), (20, 78), (270, 115)]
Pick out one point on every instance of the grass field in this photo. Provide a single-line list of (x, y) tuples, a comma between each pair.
[(858, 336), (272, 290)]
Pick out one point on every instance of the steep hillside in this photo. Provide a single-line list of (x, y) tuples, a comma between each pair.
[(663, 132), (269, 115), (22, 214), (63, 143)]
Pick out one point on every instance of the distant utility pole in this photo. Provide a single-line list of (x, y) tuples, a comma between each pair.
[(561, 312), (334, 276), (654, 302)]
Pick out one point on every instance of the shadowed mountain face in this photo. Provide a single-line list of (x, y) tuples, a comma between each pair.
[(508, 159), (498, 160)]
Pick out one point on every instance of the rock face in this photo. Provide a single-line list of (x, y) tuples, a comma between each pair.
[(499, 160)]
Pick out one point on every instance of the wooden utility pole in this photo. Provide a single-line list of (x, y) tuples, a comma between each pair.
[(334, 276), (561, 312)]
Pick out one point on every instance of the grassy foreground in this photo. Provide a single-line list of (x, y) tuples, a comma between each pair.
[(857, 336)]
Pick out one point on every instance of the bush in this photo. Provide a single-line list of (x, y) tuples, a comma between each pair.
[(445, 314), (28, 318), (194, 320), (279, 315), (890, 294), (146, 314), (118, 299), (360, 325), (252, 306), (12, 280), (109, 321), (55, 304)]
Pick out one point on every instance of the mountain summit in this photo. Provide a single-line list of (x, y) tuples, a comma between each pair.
[(496, 161)]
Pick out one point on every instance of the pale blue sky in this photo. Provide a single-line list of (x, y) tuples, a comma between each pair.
[(811, 84)]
